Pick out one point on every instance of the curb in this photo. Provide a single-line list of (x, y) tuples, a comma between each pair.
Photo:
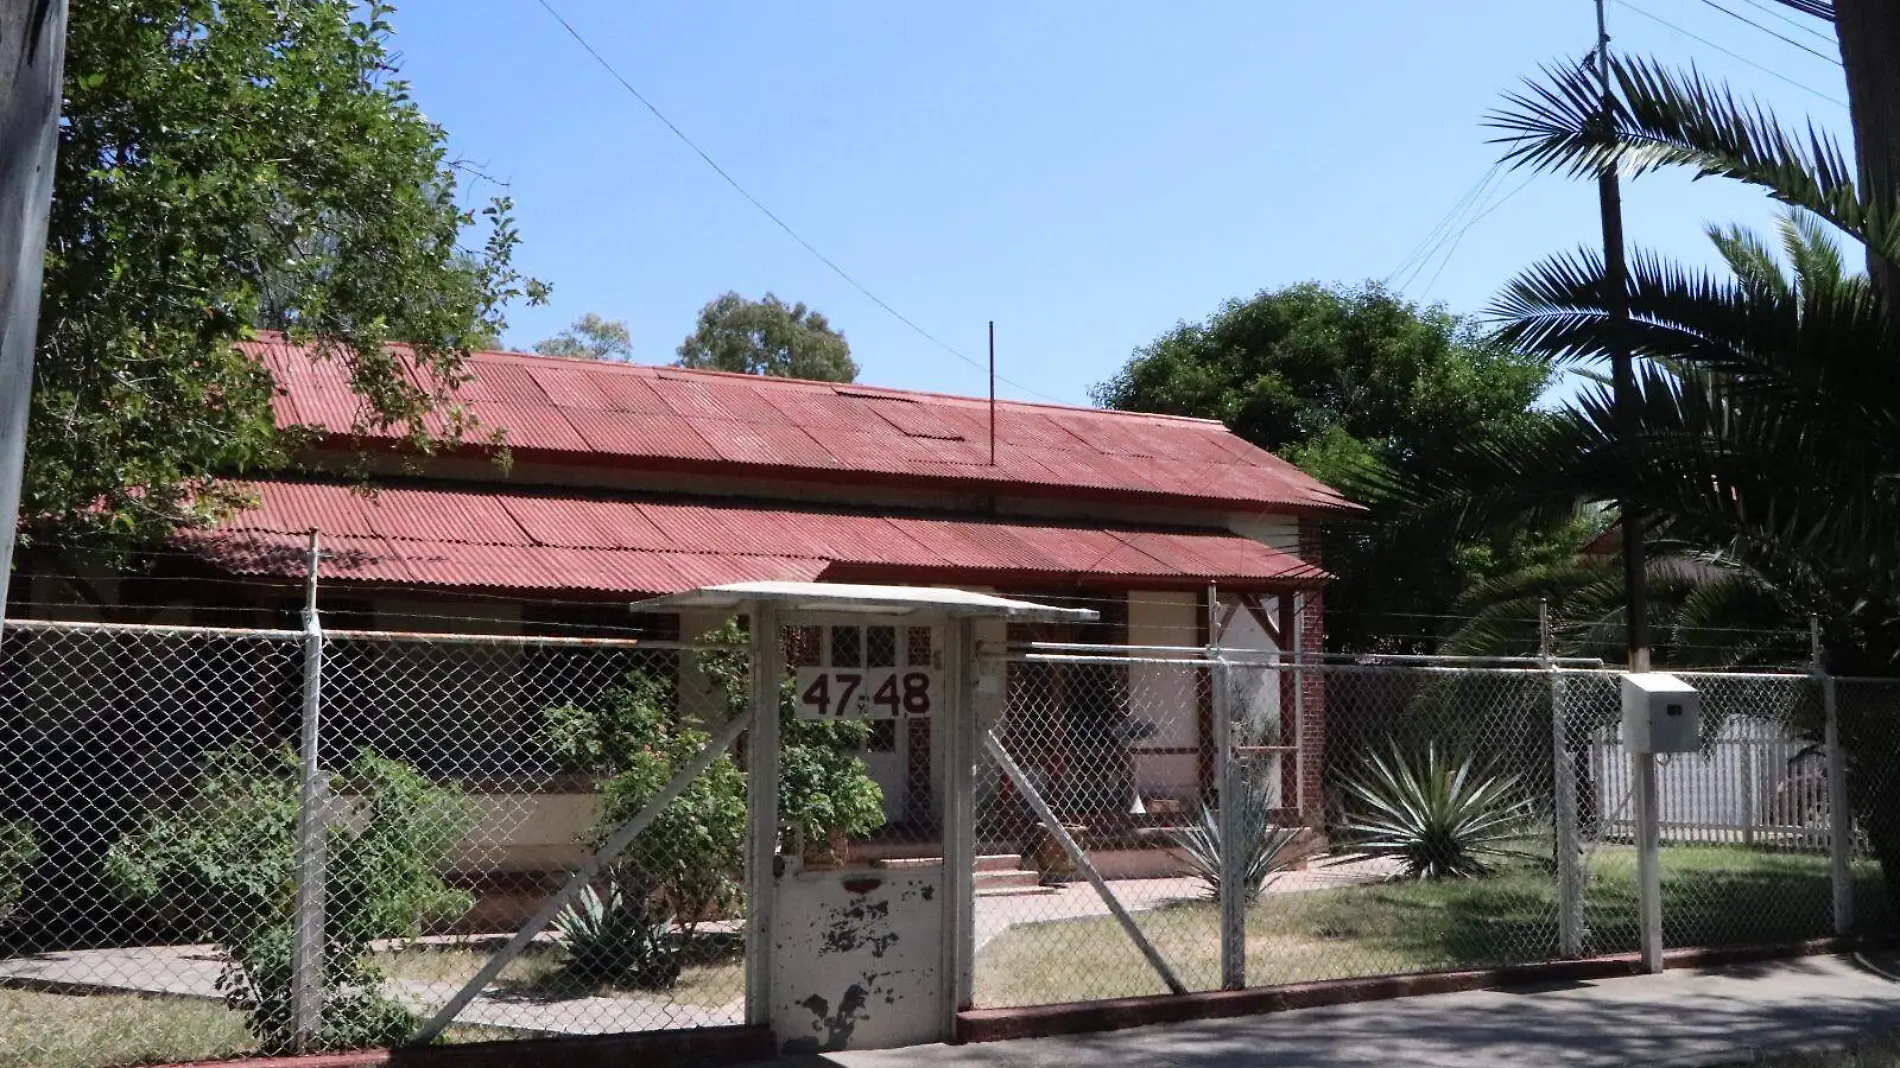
[(705, 1046)]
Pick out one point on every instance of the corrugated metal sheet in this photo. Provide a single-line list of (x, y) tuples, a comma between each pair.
[(638, 414), (471, 538)]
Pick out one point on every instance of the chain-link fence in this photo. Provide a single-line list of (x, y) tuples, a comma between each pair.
[(215, 842), (1434, 815)]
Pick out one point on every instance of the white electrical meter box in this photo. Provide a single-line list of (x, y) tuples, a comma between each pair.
[(1661, 714)]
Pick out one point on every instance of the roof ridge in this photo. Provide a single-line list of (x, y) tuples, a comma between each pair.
[(778, 382)]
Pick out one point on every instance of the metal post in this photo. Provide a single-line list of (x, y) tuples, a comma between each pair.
[(306, 983), (1299, 711), (1840, 812), (32, 57), (1648, 859), (1569, 840), (1081, 860), (762, 767), (1233, 896), (957, 727)]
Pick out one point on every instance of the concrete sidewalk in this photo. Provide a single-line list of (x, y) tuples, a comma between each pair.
[(1680, 1018)]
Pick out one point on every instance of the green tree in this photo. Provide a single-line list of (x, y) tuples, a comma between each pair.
[(767, 337), (590, 337), (1333, 380), (1766, 420), (225, 167)]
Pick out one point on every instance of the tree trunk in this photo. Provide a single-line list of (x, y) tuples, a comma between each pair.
[(1869, 32)]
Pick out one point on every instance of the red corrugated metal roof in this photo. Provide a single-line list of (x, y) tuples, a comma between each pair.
[(477, 538), (706, 421)]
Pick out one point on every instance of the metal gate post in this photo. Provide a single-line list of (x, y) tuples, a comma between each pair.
[(1233, 897), (1648, 859), (958, 726), (762, 824), (306, 977), (1311, 819), (1570, 873), (1840, 812)]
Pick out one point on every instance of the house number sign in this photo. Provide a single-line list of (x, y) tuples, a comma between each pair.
[(865, 693)]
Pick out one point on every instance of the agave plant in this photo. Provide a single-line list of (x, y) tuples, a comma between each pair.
[(1437, 819), (1267, 849), (612, 940)]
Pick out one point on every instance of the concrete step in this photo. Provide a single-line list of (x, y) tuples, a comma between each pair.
[(993, 862), (1032, 890), (1014, 879)]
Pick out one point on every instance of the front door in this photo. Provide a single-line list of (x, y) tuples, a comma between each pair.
[(897, 754)]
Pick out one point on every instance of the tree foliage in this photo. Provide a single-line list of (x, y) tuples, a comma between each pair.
[(1336, 380), (590, 337), (225, 167), (767, 337)]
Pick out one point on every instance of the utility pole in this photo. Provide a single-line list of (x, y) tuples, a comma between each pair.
[(1622, 369), (32, 59)]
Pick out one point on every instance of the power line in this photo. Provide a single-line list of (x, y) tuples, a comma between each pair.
[(1419, 251), (768, 212), (1475, 220), (1771, 72), (1820, 9), (1768, 9), (1738, 16)]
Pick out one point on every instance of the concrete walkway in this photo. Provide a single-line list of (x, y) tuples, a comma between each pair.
[(1680, 1019)]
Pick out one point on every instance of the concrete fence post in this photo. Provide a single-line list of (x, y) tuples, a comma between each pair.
[(1840, 811)]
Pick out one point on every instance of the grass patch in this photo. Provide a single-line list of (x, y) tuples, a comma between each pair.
[(713, 976), (66, 1031), (1712, 896)]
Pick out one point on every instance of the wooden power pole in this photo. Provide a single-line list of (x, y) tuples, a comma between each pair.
[(32, 59), (1622, 369)]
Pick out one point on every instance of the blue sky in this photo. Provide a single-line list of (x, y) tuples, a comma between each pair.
[(1085, 174)]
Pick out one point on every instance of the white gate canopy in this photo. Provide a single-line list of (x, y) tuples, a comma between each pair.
[(842, 597)]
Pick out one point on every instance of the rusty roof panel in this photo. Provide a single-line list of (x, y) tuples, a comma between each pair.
[(646, 435), (1044, 449)]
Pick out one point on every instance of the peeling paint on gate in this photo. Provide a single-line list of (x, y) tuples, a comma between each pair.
[(855, 960)]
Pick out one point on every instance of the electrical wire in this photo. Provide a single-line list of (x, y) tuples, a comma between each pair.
[(1768, 9), (776, 219), (1418, 254), (1475, 220), (1737, 56), (1738, 16)]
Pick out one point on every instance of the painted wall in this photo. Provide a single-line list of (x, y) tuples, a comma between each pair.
[(1166, 695)]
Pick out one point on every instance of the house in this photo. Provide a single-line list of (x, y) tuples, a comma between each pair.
[(624, 482)]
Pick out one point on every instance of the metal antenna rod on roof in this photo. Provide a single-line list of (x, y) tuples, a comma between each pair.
[(992, 393)]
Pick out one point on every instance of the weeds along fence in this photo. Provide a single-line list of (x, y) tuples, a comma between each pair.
[(216, 842)]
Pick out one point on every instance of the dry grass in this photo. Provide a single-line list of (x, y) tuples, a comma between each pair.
[(67, 1031), (716, 979), (1711, 896)]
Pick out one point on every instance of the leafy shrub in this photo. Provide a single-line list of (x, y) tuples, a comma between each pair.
[(19, 853), (690, 861), (1439, 820), (613, 941), (224, 862), (1267, 849), (824, 788)]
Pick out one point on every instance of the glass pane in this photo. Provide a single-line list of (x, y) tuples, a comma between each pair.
[(880, 647)]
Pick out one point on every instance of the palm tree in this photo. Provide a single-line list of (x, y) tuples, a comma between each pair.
[(1765, 428)]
